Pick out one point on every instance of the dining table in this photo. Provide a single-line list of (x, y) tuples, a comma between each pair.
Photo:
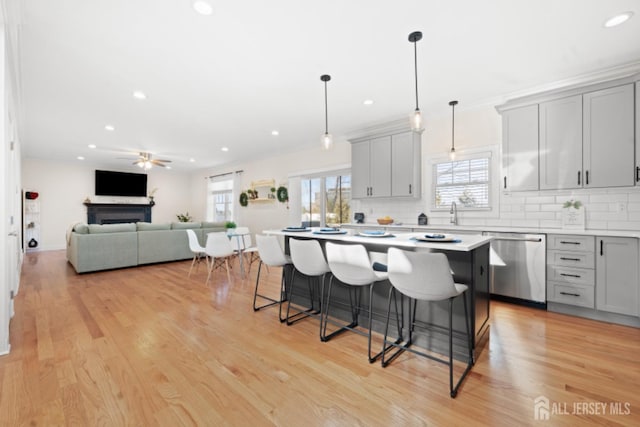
[(468, 257)]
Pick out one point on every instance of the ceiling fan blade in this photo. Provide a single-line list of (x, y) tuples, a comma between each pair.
[(160, 160)]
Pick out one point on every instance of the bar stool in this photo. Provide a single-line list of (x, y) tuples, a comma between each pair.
[(271, 254), (308, 259), (351, 265), (426, 276)]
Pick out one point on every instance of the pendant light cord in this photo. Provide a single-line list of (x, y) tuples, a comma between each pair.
[(453, 125), (326, 110), (415, 63)]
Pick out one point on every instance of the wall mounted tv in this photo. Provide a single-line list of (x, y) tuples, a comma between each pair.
[(109, 183)]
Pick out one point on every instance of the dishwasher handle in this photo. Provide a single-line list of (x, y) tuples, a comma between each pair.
[(519, 239)]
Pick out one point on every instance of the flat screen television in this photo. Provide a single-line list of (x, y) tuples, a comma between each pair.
[(109, 183)]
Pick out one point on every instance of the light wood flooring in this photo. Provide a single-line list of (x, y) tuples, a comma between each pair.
[(148, 346)]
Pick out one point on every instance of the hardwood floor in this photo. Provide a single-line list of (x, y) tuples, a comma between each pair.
[(147, 346)]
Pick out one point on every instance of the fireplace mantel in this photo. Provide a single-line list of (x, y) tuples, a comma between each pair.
[(113, 213)]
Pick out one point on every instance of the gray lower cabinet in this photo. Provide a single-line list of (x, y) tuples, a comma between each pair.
[(570, 270), (617, 275)]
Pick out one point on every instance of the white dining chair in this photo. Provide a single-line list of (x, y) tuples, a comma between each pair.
[(197, 249), (219, 249), (426, 276)]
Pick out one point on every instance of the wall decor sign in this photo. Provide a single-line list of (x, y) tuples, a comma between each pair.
[(573, 215)]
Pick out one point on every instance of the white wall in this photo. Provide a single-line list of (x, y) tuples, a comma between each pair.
[(63, 186), (269, 215)]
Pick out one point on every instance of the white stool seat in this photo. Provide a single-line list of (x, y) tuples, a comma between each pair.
[(426, 276), (271, 254), (308, 259), (352, 266)]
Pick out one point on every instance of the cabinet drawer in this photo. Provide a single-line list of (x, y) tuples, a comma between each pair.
[(575, 276), (570, 259), (582, 296), (570, 242)]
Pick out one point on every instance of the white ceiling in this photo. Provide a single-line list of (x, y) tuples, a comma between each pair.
[(230, 78)]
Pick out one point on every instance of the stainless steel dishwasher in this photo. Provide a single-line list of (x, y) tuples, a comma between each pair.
[(518, 267)]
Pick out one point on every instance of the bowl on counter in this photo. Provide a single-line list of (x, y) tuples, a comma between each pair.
[(385, 221)]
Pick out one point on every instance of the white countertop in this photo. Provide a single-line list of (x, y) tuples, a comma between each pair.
[(401, 239), (529, 230)]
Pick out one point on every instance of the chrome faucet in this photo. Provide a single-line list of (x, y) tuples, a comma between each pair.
[(454, 214)]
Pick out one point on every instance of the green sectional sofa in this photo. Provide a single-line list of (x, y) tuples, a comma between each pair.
[(97, 247)]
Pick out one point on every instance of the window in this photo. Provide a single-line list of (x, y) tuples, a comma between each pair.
[(325, 200), (465, 181), (220, 199)]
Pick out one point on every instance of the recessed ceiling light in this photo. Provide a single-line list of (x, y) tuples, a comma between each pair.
[(192, 160), (138, 94), (167, 167), (275, 133), (202, 7), (110, 128), (225, 149), (367, 101), (91, 145), (620, 18), (80, 158)]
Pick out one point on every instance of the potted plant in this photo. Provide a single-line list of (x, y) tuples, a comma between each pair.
[(272, 195), (184, 217), (229, 225)]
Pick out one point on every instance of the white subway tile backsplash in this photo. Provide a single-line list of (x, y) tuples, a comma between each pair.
[(624, 225), (550, 223), (540, 199), (531, 208), (541, 215), (607, 198)]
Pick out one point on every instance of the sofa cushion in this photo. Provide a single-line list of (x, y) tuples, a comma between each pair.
[(147, 226), (206, 224), (184, 225), (81, 228), (111, 228)]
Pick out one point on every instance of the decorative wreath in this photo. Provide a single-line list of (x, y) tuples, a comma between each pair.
[(282, 194), (244, 199)]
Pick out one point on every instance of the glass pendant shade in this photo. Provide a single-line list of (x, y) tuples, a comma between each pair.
[(452, 154), (416, 121), (327, 141)]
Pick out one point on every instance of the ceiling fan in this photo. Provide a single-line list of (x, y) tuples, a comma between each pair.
[(147, 162)]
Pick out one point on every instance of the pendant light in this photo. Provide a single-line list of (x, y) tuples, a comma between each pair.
[(416, 117), (327, 139), (452, 153)]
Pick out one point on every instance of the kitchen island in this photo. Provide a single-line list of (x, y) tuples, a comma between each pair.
[(469, 260)]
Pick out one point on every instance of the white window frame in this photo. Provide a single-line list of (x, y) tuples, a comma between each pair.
[(211, 197), (295, 190), (463, 156)]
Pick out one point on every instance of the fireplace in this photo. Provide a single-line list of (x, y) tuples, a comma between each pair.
[(107, 213)]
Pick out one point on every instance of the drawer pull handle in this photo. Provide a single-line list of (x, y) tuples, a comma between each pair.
[(570, 275), (569, 259), (569, 294), (564, 242)]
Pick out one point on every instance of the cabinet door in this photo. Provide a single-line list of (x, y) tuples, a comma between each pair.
[(360, 170), (380, 167), (637, 176), (403, 165), (617, 275), (608, 144), (561, 143), (520, 149)]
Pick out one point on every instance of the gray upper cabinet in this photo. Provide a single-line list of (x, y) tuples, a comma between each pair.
[(617, 279), (585, 138), (386, 166), (371, 168), (608, 145), (561, 143), (520, 165), (405, 165)]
